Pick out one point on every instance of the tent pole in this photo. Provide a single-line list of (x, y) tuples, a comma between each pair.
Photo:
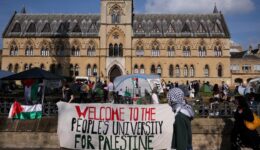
[(43, 92)]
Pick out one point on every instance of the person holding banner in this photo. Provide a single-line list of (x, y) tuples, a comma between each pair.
[(182, 136)]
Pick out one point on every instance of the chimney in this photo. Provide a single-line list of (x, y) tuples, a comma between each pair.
[(250, 49)]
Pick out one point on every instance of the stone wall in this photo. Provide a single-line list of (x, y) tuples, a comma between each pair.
[(208, 133)]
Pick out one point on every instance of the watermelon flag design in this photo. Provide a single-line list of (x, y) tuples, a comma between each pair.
[(24, 112)]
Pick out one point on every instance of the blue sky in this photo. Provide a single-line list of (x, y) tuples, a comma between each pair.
[(241, 15)]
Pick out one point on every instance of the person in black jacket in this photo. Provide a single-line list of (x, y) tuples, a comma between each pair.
[(241, 135)]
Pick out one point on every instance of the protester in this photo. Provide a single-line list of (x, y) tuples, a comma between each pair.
[(110, 91), (182, 136), (155, 98), (241, 135), (67, 94)]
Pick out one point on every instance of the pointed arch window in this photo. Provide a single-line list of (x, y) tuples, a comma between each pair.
[(171, 71), (16, 68), (89, 70), (206, 71), (111, 50), (139, 51), (220, 70), (192, 71), (171, 51), (155, 50), (217, 51), (10, 67), (14, 50), (202, 51), (153, 69), (136, 70), (26, 67), (121, 50), (75, 51), (115, 15), (46, 28), (31, 28), (185, 71), (178, 73), (91, 50), (42, 66), (159, 70), (76, 70), (142, 69), (29, 51), (60, 50), (45, 51), (186, 51), (94, 70), (116, 50), (71, 70), (17, 27)]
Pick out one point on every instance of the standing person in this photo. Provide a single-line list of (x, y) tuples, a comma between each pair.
[(249, 138), (155, 98), (182, 137), (67, 94), (105, 88), (110, 91)]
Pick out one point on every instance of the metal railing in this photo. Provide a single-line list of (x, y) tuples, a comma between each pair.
[(202, 110)]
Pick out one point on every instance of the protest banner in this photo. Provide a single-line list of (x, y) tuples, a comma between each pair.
[(110, 126)]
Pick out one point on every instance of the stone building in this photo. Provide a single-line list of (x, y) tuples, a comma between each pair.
[(245, 65), (179, 47)]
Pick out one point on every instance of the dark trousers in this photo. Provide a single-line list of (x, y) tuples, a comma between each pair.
[(182, 137)]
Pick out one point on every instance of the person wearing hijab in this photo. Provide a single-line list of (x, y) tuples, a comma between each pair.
[(182, 136)]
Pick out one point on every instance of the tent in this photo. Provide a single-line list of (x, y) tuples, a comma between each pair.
[(37, 74), (137, 83)]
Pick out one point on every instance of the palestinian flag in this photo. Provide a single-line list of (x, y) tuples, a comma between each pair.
[(24, 112)]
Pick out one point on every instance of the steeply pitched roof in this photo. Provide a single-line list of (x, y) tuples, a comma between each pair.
[(144, 25), (238, 54)]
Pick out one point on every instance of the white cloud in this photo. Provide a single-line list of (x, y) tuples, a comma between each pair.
[(198, 6)]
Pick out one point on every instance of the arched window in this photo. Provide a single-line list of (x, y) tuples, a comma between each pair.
[(178, 73), (115, 15), (220, 71), (59, 69), (155, 50), (60, 50), (142, 69), (200, 51), (136, 70), (116, 50), (71, 71), (121, 50), (218, 51), (76, 70), (53, 68), (14, 50), (75, 51), (185, 71), (26, 67), (192, 71), (159, 70), (206, 71), (152, 69), (10, 67), (186, 51), (111, 50), (139, 51), (171, 51), (16, 68), (95, 70), (45, 50), (42, 66), (89, 71), (29, 51), (171, 71)]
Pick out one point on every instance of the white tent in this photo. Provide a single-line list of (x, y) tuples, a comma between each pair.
[(137, 83)]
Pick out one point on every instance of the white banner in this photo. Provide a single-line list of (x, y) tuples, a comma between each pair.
[(110, 126)]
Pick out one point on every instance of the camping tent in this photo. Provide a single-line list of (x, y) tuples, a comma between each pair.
[(137, 83)]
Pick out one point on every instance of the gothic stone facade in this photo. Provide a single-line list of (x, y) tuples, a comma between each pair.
[(179, 47)]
